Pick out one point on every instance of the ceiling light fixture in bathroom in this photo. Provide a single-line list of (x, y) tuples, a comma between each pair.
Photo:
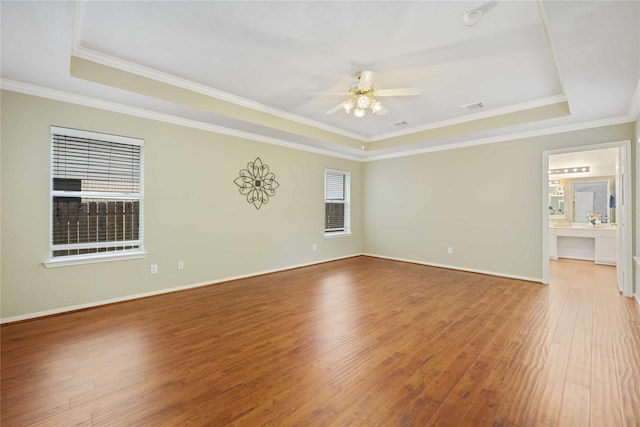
[(573, 169)]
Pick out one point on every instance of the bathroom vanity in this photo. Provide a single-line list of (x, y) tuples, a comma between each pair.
[(584, 242), (572, 202)]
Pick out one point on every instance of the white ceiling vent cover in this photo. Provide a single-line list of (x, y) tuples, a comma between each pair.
[(399, 123), (473, 106)]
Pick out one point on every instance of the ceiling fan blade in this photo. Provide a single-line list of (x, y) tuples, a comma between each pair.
[(366, 80), (335, 109), (404, 91), (330, 93)]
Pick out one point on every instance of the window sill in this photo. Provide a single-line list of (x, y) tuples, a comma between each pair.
[(338, 234), (92, 259)]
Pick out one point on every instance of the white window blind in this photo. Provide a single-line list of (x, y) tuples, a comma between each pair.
[(334, 186), (96, 193), (336, 202)]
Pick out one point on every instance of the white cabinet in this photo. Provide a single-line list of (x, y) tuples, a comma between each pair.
[(587, 243), (606, 247)]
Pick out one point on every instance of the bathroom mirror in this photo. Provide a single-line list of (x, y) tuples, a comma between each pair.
[(592, 197), (556, 199)]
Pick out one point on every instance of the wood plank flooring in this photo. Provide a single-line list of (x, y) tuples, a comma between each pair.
[(356, 342)]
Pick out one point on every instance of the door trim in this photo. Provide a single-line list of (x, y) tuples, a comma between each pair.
[(627, 220)]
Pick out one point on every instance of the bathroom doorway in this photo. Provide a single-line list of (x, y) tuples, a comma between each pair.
[(587, 207)]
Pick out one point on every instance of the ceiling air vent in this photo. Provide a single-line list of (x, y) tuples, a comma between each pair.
[(472, 106), (399, 123)]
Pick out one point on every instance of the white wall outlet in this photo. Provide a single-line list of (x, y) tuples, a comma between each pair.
[(154, 268), (180, 265), (314, 247), (450, 250)]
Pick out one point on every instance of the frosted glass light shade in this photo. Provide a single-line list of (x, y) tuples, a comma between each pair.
[(363, 102)]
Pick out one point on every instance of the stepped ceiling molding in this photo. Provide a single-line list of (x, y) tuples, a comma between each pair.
[(269, 70)]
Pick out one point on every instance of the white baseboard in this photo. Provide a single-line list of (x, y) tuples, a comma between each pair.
[(160, 292), (578, 258), (244, 276), (455, 267), (637, 297)]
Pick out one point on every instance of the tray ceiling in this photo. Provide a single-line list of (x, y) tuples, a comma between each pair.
[(263, 67)]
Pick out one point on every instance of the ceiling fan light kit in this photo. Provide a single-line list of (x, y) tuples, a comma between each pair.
[(362, 96), (359, 101), (363, 101)]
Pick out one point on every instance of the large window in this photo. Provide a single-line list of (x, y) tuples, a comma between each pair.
[(336, 202), (96, 196)]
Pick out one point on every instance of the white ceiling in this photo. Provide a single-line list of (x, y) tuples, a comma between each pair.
[(279, 56)]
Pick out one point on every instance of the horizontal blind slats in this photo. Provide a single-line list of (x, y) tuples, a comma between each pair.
[(334, 186), (101, 165), (96, 195)]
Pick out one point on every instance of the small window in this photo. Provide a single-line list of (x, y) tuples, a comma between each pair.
[(336, 202), (96, 195)]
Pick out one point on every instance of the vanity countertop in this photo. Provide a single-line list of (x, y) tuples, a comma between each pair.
[(586, 227)]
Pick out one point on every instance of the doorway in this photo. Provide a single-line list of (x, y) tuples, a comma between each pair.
[(587, 207)]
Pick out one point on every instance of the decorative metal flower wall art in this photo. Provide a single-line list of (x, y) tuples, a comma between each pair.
[(257, 183)]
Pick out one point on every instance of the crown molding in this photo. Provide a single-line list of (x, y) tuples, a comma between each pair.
[(130, 67), (150, 73), (111, 61), (79, 8), (57, 95), (634, 107), (78, 50), (508, 137), (547, 32), (476, 116), (147, 72)]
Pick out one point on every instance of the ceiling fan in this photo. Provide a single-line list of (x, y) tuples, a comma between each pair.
[(361, 95)]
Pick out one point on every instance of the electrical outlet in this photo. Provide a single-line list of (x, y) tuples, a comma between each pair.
[(450, 250), (314, 247), (154, 268), (180, 265)]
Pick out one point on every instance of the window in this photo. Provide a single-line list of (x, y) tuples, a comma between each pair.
[(96, 197), (336, 202)]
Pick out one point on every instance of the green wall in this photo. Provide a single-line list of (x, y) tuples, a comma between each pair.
[(193, 210), (485, 201)]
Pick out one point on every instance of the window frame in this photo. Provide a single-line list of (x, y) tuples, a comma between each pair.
[(347, 203), (96, 257)]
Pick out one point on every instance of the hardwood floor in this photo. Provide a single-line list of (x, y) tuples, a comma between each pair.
[(362, 341)]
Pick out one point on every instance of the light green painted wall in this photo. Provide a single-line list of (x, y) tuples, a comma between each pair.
[(193, 210), (484, 201)]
